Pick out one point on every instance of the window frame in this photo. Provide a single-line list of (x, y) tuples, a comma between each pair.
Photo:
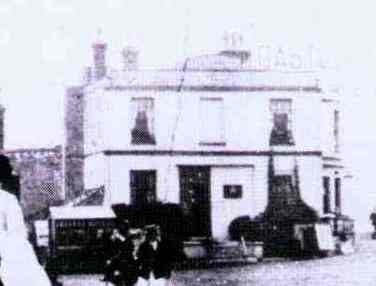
[(327, 204), (280, 137), (221, 141), (227, 192), (134, 106), (279, 110), (133, 188)]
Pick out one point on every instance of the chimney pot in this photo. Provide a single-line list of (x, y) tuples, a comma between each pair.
[(130, 58), (99, 49)]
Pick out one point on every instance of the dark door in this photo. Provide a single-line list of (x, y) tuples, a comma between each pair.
[(195, 198), (143, 187)]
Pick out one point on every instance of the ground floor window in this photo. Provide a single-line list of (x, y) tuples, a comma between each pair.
[(337, 188), (326, 195), (143, 186)]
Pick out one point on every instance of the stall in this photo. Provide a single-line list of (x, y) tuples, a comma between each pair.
[(79, 236)]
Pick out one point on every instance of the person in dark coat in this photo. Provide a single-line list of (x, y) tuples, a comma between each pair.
[(122, 268), (155, 259)]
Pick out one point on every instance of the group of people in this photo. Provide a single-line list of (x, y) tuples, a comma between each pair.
[(138, 257)]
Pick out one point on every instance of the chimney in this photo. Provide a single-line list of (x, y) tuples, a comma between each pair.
[(99, 49), (234, 46), (130, 58)]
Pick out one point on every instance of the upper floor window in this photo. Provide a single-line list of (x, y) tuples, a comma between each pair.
[(281, 117), (212, 129), (142, 110), (336, 131)]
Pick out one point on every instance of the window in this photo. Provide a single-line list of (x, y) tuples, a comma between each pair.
[(212, 121), (281, 117), (143, 187), (326, 195), (337, 188), (143, 121), (336, 131), (232, 191), (283, 190)]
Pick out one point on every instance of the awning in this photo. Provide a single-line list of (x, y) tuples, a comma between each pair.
[(83, 212)]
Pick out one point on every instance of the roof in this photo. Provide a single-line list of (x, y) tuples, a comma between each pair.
[(82, 212), (33, 152), (221, 71), (90, 197)]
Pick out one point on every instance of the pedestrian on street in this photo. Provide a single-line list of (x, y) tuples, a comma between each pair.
[(122, 267), (155, 259), (19, 264)]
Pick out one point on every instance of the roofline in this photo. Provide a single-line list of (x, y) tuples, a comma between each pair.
[(28, 150), (292, 88), (210, 153), (221, 69)]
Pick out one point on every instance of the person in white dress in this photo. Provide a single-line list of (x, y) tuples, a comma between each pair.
[(18, 262)]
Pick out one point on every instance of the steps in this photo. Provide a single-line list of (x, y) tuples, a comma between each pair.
[(214, 252)]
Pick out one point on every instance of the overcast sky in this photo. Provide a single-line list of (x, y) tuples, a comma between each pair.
[(44, 46)]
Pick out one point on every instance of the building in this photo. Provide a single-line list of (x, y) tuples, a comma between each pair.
[(39, 173), (203, 134), (37, 178), (74, 143)]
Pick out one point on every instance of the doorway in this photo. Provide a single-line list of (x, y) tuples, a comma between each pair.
[(143, 186), (195, 198)]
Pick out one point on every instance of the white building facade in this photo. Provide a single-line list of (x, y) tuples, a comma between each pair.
[(201, 136)]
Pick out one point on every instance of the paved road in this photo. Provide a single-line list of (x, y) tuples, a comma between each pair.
[(355, 270)]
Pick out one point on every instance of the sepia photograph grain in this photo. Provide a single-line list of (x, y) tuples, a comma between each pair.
[(183, 143)]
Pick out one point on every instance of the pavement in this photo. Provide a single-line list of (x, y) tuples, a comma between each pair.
[(356, 269)]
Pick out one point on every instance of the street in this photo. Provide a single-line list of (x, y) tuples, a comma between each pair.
[(355, 269)]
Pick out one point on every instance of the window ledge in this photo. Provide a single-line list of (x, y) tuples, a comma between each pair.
[(143, 144), (218, 144)]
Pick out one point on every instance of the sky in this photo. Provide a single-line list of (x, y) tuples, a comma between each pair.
[(45, 45)]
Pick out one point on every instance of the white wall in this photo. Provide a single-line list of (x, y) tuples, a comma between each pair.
[(95, 171), (224, 210), (250, 171), (248, 123), (247, 126)]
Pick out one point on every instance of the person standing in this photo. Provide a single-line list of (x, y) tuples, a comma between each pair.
[(19, 264), (155, 259), (122, 267)]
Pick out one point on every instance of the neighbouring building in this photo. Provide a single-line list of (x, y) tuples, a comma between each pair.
[(202, 134), (40, 181), (37, 178)]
